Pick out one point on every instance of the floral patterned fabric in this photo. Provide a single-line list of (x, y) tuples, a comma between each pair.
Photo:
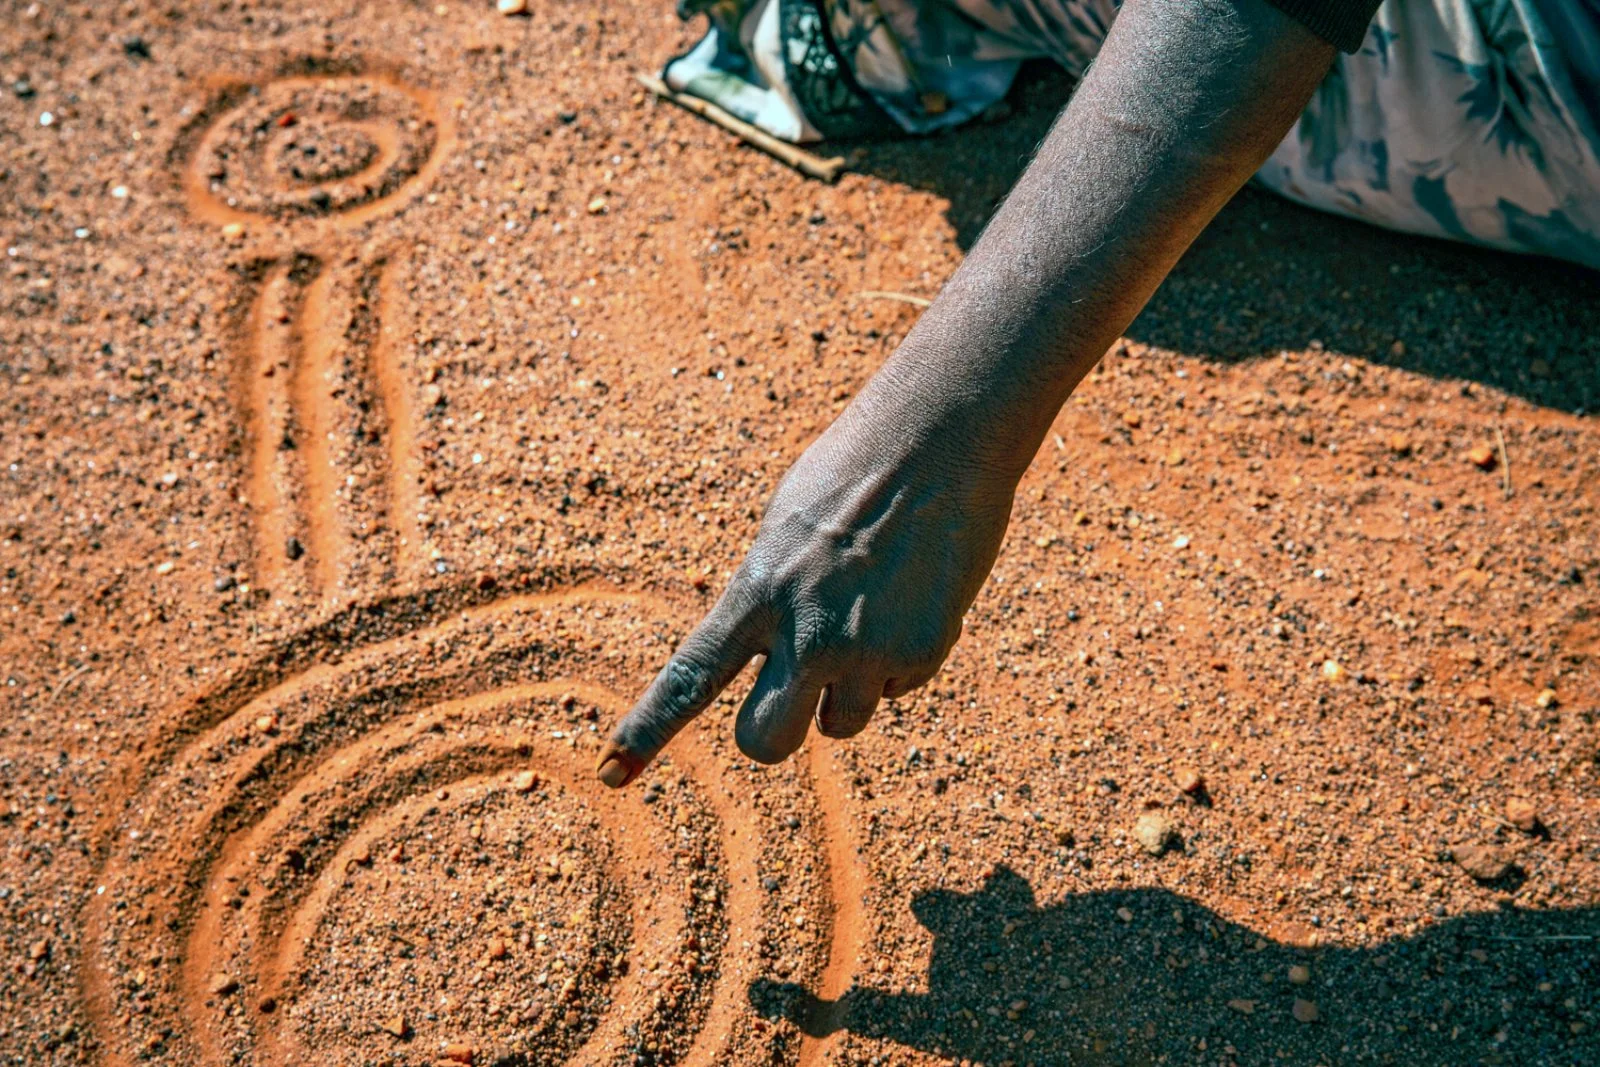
[(1477, 120)]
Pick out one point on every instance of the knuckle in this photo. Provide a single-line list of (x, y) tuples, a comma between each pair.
[(686, 687)]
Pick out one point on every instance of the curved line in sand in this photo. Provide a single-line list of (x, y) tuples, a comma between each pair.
[(193, 732), (206, 206)]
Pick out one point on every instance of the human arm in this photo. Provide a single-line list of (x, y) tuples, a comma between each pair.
[(879, 538)]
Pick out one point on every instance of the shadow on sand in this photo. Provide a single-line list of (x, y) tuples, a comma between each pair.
[(1269, 275), (1144, 976)]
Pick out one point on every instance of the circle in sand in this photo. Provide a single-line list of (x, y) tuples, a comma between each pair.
[(386, 839), (312, 146)]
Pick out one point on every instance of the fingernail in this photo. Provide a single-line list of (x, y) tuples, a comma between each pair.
[(613, 772)]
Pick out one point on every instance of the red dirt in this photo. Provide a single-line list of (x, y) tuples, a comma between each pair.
[(327, 517)]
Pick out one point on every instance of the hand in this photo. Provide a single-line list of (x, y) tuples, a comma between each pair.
[(870, 551)]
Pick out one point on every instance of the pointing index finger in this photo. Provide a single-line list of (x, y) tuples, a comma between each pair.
[(701, 668)]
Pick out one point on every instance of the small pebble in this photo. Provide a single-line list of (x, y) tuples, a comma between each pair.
[(525, 782), (1546, 699), (1242, 1006), (1304, 1011), (1154, 833), (233, 230), (1482, 457), (1400, 444), (1332, 671), (1484, 863), (224, 985), (1188, 780), (460, 1053), (1299, 974), (1523, 815), (512, 7), (397, 1025), (597, 206)]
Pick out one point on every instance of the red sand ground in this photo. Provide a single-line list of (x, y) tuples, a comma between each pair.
[(387, 389)]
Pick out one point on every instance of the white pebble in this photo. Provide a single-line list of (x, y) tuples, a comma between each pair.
[(120, 192), (47, 118)]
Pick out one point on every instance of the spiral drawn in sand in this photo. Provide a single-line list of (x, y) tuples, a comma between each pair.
[(312, 147), (386, 839)]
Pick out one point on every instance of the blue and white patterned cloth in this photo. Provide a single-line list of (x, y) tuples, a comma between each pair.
[(1477, 120)]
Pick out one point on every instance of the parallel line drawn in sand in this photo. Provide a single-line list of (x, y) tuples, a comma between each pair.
[(848, 925), (307, 158), (265, 842), (293, 374)]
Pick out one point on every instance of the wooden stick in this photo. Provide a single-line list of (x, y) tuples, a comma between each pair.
[(1505, 464), (904, 298), (805, 162)]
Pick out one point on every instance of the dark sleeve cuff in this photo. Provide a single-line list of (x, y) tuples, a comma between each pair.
[(1342, 23)]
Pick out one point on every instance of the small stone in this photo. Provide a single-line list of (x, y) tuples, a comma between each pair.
[(293, 548), (1482, 457), (1332, 671), (267, 1006), (1547, 699), (1523, 815), (1400, 444), (1132, 419), (1188, 780), (460, 1053), (223, 985), (233, 231), (396, 1025), (1484, 863), (39, 949), (165, 567), (265, 724), (1125, 914), (1154, 833), (512, 7), (1304, 1011), (525, 782), (1299, 974), (1242, 1006), (497, 948), (597, 206)]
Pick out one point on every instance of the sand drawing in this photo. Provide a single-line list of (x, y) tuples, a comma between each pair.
[(409, 789), (407, 786), (297, 165)]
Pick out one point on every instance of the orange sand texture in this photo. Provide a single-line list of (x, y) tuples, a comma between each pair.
[(388, 388)]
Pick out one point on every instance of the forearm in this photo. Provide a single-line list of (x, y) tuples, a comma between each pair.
[(1186, 100)]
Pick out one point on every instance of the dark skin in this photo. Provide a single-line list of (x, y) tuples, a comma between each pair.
[(878, 539)]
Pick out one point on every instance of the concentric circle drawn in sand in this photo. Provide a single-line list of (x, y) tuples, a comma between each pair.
[(366, 851), (318, 146)]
